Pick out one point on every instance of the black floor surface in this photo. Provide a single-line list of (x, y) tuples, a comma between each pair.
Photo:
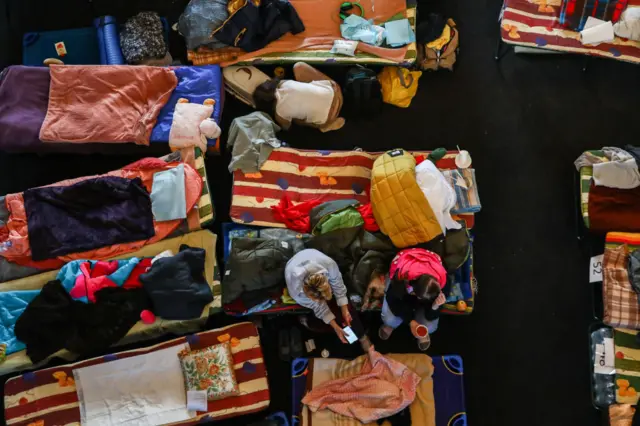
[(524, 120)]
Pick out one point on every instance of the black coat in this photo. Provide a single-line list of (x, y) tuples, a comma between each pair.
[(253, 27), (255, 269), (177, 286), (54, 321), (357, 252)]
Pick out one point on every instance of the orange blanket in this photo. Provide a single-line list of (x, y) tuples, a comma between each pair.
[(105, 103), (322, 28), (383, 388), (15, 236)]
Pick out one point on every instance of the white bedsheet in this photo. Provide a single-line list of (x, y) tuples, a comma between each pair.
[(142, 390)]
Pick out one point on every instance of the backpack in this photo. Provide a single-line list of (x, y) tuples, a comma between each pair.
[(362, 93), (445, 56)]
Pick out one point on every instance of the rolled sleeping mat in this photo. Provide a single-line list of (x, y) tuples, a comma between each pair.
[(108, 40)]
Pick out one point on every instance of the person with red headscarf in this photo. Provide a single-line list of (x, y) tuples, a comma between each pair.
[(414, 294)]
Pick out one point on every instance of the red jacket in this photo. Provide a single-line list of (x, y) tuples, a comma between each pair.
[(411, 263)]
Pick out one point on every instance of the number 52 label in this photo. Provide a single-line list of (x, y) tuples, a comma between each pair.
[(595, 269)]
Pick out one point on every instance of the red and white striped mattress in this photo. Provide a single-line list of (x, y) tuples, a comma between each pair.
[(41, 398), (534, 23), (308, 175)]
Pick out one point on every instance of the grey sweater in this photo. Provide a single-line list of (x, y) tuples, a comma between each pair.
[(312, 261)]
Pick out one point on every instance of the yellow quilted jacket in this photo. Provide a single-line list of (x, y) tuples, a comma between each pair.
[(399, 205)]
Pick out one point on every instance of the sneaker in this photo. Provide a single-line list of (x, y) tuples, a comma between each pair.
[(384, 332)]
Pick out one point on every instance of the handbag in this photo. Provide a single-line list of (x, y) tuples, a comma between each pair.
[(399, 85)]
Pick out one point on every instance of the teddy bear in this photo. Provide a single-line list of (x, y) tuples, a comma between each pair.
[(192, 125)]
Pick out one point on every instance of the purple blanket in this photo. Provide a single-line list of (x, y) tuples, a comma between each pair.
[(89, 214), (24, 95)]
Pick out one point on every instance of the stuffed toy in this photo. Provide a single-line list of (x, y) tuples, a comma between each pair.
[(192, 125)]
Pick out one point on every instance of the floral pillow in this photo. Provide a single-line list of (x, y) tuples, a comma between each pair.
[(210, 369)]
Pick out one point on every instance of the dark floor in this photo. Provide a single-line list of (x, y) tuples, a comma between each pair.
[(524, 120)]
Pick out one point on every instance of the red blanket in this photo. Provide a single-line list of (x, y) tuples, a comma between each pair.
[(612, 209)]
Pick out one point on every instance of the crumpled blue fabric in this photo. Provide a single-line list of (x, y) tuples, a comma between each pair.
[(399, 33), (168, 200), (12, 305), (355, 27), (261, 307)]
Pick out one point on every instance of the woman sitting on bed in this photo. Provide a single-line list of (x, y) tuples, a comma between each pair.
[(312, 99), (414, 295), (313, 279)]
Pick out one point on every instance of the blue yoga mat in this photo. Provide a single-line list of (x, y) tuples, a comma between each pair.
[(106, 28)]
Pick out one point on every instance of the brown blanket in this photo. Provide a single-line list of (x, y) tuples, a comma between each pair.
[(612, 209), (322, 27), (105, 103)]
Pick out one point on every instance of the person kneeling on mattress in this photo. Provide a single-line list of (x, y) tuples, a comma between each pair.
[(312, 99), (313, 279), (414, 295)]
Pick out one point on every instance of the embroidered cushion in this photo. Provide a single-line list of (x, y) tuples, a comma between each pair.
[(210, 369)]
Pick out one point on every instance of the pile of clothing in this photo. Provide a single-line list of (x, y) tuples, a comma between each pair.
[(614, 194), (247, 25), (395, 33), (598, 24), (361, 238), (97, 217), (411, 203), (91, 305)]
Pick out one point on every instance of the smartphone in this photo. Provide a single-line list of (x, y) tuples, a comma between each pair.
[(349, 334)]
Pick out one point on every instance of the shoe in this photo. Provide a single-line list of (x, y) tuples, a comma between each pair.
[(296, 343), (384, 332), (284, 345), (424, 343)]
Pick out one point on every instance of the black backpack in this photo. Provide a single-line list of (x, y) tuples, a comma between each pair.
[(362, 93)]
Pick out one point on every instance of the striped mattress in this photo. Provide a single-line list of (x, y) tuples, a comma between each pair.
[(206, 213), (627, 365), (535, 23), (308, 175), (40, 398)]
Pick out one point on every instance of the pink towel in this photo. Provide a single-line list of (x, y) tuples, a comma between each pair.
[(383, 388), (105, 103)]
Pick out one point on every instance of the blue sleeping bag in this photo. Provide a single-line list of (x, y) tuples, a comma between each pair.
[(12, 305), (195, 84)]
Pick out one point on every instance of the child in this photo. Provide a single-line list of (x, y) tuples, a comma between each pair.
[(414, 295), (313, 279), (312, 99)]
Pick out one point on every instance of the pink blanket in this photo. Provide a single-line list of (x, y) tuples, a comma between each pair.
[(381, 389), (105, 103)]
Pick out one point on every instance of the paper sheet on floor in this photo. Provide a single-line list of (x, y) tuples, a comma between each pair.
[(141, 390)]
